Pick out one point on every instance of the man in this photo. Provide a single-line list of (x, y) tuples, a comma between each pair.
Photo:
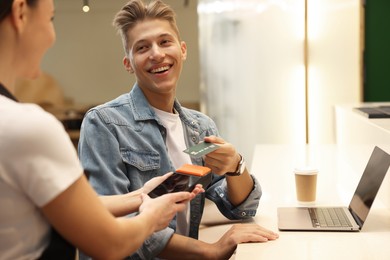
[(142, 134)]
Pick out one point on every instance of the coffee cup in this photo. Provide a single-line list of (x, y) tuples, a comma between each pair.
[(306, 183)]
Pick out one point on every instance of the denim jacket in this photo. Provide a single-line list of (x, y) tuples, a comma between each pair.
[(122, 146)]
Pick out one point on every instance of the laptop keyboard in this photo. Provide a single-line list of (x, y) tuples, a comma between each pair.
[(385, 109), (329, 217)]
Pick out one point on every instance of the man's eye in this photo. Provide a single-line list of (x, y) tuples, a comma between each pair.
[(140, 48), (164, 42)]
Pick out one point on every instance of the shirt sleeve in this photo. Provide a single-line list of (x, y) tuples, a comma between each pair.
[(42, 158), (247, 209), (153, 245)]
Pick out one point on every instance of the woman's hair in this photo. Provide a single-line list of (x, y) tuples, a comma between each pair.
[(135, 11), (6, 5)]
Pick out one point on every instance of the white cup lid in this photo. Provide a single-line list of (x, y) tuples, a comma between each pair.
[(306, 170)]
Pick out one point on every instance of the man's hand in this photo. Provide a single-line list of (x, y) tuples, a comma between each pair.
[(182, 247), (224, 159), (241, 233)]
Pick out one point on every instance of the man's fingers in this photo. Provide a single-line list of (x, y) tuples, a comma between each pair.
[(214, 139)]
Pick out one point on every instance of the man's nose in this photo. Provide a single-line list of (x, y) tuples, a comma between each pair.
[(156, 53)]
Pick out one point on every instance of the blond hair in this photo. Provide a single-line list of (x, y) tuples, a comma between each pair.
[(136, 11)]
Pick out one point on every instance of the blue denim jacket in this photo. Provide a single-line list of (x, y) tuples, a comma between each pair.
[(122, 146)]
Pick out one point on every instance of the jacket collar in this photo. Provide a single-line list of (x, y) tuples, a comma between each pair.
[(141, 107), (143, 110)]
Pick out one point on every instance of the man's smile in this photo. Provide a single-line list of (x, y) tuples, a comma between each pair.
[(160, 69)]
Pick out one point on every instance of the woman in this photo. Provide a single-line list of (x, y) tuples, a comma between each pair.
[(42, 184)]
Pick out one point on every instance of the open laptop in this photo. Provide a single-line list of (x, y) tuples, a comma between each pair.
[(326, 218)]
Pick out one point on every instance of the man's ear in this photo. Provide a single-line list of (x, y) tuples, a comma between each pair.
[(19, 14), (183, 47), (127, 64)]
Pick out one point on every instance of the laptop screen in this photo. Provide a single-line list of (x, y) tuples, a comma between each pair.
[(369, 184)]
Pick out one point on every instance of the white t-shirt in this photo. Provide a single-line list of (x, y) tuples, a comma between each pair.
[(37, 162), (176, 144)]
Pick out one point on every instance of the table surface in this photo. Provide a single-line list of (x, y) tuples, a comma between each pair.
[(339, 172)]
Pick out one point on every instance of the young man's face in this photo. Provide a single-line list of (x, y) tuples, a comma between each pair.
[(155, 56)]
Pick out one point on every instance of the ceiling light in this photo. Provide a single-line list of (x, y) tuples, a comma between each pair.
[(85, 6)]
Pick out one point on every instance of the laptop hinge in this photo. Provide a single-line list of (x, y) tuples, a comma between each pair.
[(356, 218)]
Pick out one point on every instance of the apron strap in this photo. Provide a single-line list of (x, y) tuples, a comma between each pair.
[(58, 249)]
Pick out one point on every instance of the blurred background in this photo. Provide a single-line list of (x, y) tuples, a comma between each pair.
[(267, 71)]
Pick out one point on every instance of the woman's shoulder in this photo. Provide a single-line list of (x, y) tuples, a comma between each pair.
[(29, 124)]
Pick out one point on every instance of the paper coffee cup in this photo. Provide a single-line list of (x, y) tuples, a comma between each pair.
[(306, 183)]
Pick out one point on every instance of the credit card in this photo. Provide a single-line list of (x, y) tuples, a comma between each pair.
[(201, 149)]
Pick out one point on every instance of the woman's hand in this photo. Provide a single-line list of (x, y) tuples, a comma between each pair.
[(154, 182), (162, 209)]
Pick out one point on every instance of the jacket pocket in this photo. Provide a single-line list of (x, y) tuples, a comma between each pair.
[(142, 160)]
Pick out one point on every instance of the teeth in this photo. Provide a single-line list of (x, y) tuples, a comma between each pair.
[(160, 69)]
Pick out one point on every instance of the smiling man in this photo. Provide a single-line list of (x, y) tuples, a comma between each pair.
[(142, 134)]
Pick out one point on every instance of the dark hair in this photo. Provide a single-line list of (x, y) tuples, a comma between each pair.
[(6, 5)]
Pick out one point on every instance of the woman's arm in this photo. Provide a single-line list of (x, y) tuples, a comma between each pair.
[(124, 204), (79, 216)]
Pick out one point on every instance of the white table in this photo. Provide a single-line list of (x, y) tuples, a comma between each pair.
[(340, 171), (354, 128)]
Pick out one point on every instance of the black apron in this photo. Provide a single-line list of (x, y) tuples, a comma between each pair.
[(59, 248)]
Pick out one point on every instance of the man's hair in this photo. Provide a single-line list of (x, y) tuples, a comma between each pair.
[(136, 11)]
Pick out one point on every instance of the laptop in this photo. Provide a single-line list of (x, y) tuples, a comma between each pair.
[(349, 218), (374, 112)]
